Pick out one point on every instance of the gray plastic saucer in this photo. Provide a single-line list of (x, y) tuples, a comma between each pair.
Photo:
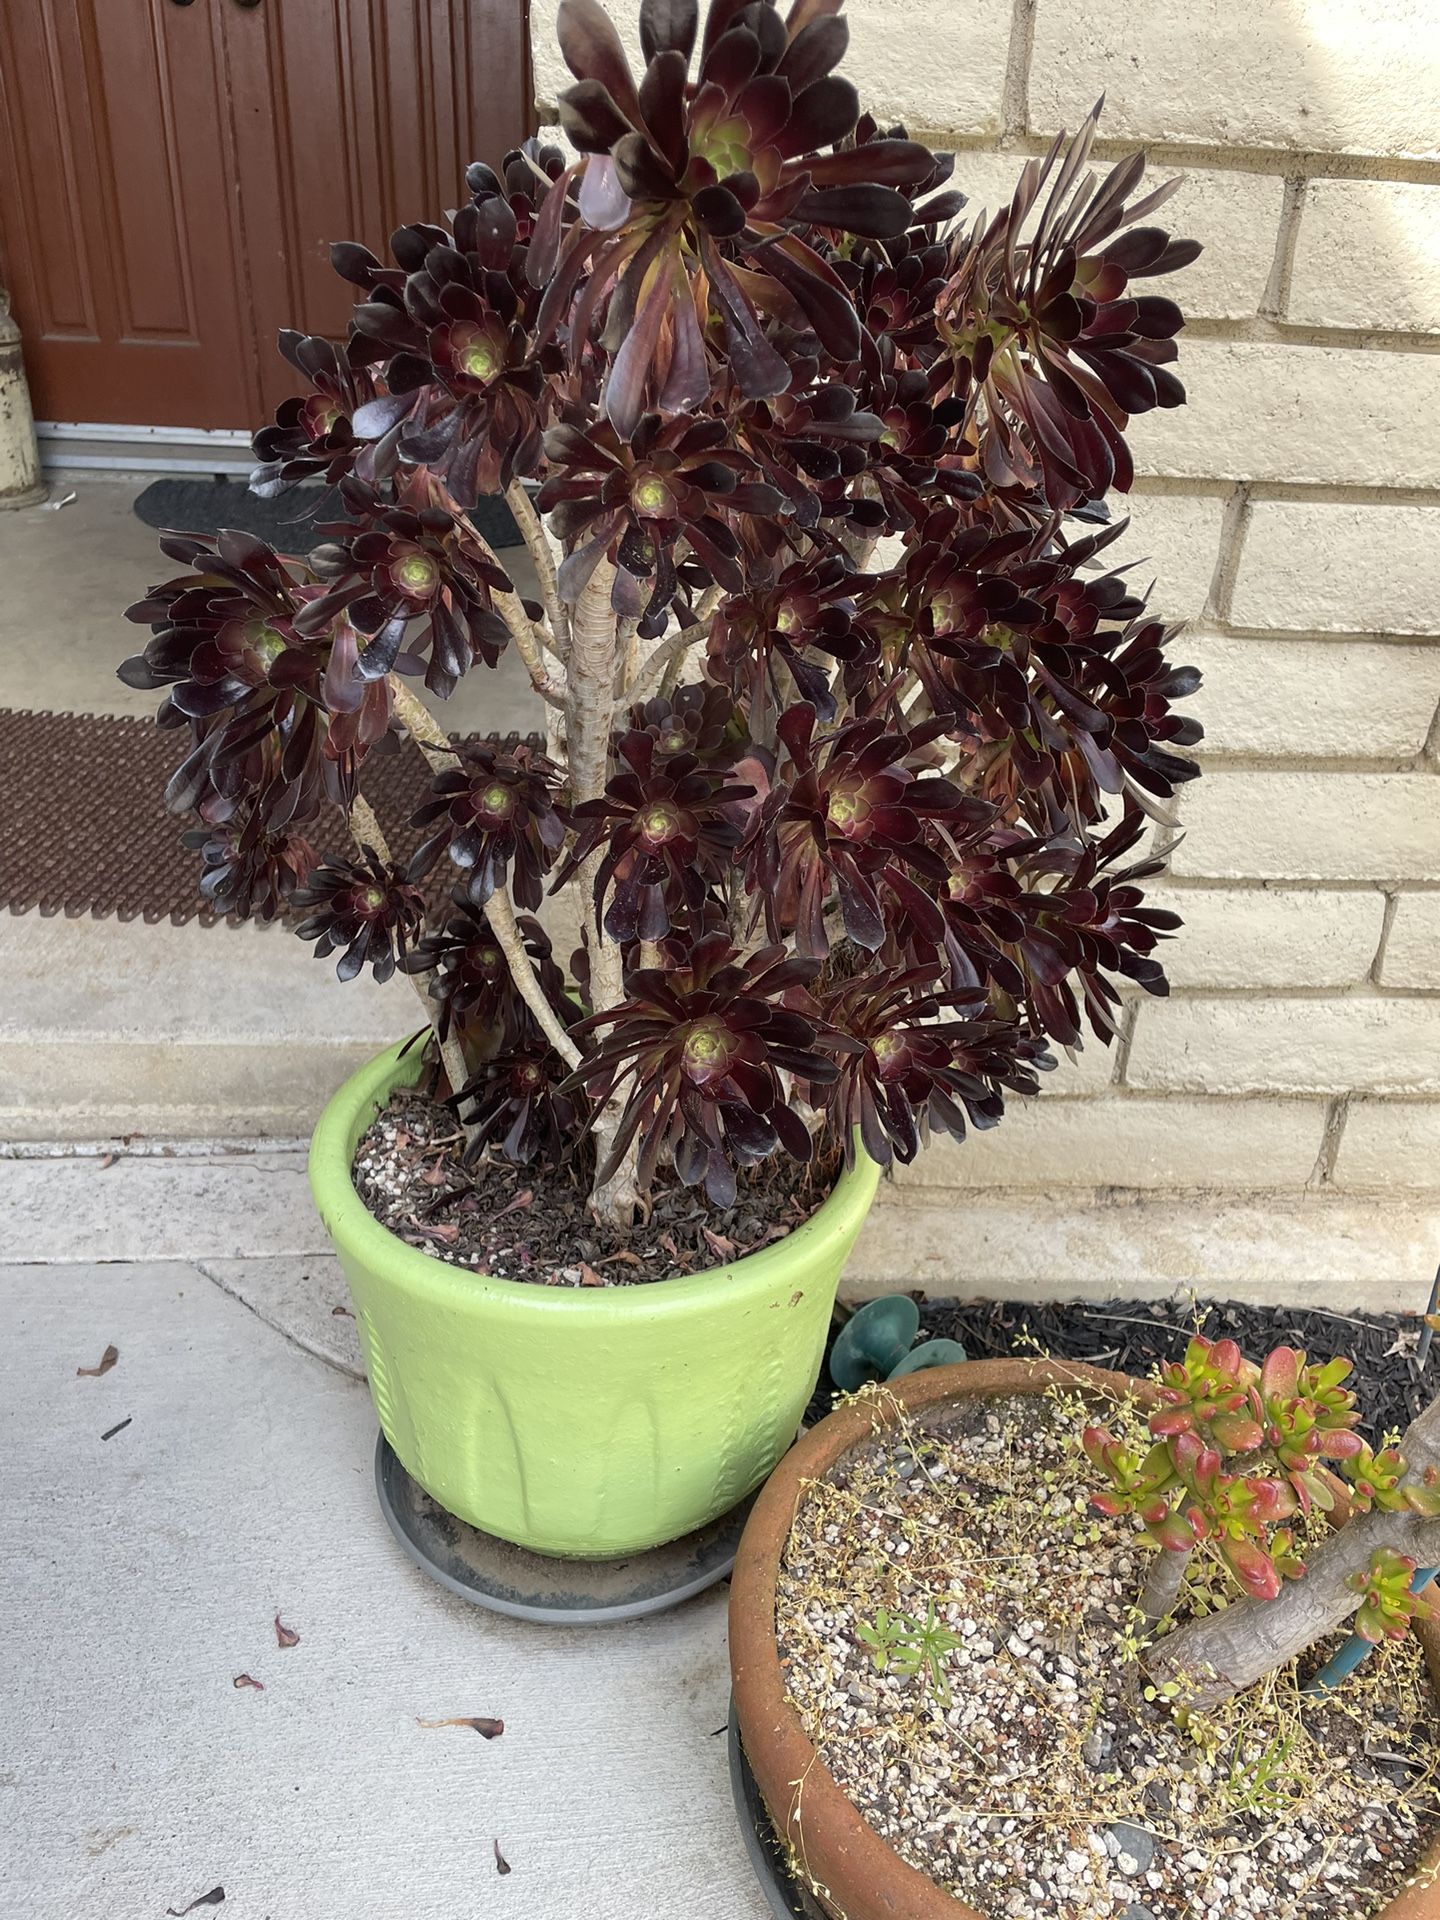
[(505, 1578)]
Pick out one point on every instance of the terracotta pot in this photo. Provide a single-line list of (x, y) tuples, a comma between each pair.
[(859, 1875)]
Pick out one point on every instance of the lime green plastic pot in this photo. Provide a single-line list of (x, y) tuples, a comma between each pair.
[(585, 1422)]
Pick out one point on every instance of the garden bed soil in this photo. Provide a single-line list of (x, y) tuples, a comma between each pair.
[(1135, 1336), (1047, 1784), (533, 1223)]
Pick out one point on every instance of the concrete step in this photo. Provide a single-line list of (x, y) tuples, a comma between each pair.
[(110, 1029)]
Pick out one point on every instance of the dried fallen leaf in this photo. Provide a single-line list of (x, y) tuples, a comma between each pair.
[(210, 1899), (108, 1160), (119, 1427), (338, 1312), (521, 1201), (487, 1729), (285, 1636), (630, 1259), (446, 1235), (722, 1248), (107, 1360), (588, 1275), (502, 1865), (248, 1680)]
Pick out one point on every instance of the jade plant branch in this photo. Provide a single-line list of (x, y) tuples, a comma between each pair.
[(1238, 1453)]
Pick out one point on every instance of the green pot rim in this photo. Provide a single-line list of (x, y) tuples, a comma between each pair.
[(359, 1236)]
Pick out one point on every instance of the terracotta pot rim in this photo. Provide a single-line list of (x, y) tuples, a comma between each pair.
[(862, 1875)]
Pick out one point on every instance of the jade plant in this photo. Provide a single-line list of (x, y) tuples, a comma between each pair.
[(1242, 1457), (852, 732)]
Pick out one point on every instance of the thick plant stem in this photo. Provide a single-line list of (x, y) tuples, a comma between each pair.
[(511, 942), (1225, 1652), (1162, 1584), (528, 637), (542, 558), (434, 743), (594, 651), (367, 832), (675, 646)]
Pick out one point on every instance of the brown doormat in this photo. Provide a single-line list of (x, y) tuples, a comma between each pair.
[(82, 829)]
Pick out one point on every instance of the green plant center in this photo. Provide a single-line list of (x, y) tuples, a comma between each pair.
[(416, 575), (498, 800), (708, 1049), (651, 496), (726, 146), (846, 811), (480, 360), (372, 899), (267, 644), (659, 824)]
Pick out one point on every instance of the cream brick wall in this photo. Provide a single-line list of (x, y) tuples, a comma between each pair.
[(1273, 1127)]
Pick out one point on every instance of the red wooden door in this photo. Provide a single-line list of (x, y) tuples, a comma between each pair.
[(353, 117), (181, 166), (118, 239)]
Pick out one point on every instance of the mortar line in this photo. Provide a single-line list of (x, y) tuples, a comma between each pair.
[(1015, 89), (1323, 1175), (1387, 921), (1276, 297), (1234, 524)]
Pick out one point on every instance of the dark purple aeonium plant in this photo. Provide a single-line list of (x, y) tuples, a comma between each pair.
[(850, 827)]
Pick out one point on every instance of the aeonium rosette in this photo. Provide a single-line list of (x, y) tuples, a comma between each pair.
[(711, 1047)]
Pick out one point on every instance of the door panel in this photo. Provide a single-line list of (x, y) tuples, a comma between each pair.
[(117, 240), (375, 108), (180, 170)]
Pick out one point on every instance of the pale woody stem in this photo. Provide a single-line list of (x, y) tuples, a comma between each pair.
[(434, 743), (594, 647), (543, 559), (367, 832), (528, 637)]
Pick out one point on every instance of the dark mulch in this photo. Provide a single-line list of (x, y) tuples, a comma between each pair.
[(533, 1224), (1134, 1337)]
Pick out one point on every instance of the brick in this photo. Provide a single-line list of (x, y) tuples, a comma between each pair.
[(1258, 937), (1131, 1143), (1261, 411), (1368, 255), (1333, 568), (1310, 826), (1222, 1046), (1091, 1071), (1328, 76), (1412, 953), (1287, 1250), (925, 62), (1298, 699), (1236, 215), (1174, 539), (550, 76), (930, 63), (1388, 1144)]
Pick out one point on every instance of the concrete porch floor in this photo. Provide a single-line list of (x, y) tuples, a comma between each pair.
[(143, 1574), (111, 1028), (70, 572)]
